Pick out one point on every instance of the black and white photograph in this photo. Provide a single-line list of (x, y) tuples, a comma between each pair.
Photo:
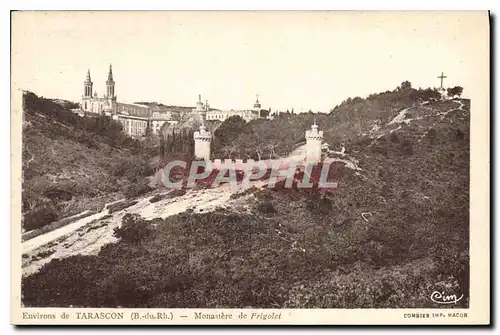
[(247, 160)]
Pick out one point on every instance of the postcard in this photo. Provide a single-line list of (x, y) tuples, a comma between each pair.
[(250, 168)]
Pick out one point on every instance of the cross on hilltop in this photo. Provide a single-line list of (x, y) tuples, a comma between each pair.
[(442, 76)]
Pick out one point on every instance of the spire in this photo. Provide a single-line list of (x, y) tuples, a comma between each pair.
[(199, 97), (314, 127), (256, 105), (110, 74), (87, 85)]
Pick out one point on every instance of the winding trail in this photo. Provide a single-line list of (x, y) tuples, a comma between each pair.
[(87, 235), (299, 153)]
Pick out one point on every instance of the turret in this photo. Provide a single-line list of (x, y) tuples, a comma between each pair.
[(202, 139), (314, 137)]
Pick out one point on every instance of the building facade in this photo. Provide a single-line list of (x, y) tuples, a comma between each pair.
[(139, 118), (93, 103), (247, 114)]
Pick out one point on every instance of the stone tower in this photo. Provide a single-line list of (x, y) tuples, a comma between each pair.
[(313, 144), (110, 84), (257, 106), (199, 106), (203, 137), (87, 86)]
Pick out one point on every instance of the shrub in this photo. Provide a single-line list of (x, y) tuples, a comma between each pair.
[(364, 141), (43, 254), (137, 189), (121, 205), (319, 206), (157, 198), (133, 229), (379, 148), (265, 194), (132, 168), (39, 217), (266, 207), (407, 147), (393, 137), (431, 135), (459, 135), (176, 193), (58, 194)]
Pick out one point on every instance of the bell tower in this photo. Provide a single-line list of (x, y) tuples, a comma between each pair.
[(199, 105), (203, 137), (87, 86), (257, 105), (110, 85), (86, 104)]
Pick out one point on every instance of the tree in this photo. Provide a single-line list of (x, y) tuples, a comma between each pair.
[(455, 91), (230, 129), (405, 85), (429, 94), (264, 113)]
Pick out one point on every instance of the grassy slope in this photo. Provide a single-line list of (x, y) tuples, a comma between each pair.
[(67, 167), (295, 251)]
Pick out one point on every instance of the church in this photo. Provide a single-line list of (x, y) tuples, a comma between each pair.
[(138, 118)]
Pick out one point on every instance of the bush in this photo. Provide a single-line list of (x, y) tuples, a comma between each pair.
[(266, 207), (319, 206), (39, 218), (157, 198), (176, 193), (133, 229), (58, 194), (121, 205), (393, 137), (137, 189), (132, 168), (407, 147), (379, 148), (431, 135)]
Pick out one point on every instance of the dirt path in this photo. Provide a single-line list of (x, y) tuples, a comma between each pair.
[(46, 238), (299, 153), (88, 235)]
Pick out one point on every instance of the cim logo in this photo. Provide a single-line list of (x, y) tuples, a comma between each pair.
[(442, 298)]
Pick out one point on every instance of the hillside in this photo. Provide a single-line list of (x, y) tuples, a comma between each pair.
[(346, 123), (73, 163), (395, 230)]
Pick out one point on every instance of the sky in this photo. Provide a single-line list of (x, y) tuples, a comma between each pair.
[(299, 60)]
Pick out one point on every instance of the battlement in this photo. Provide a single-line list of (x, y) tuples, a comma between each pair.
[(242, 165), (202, 136), (314, 134)]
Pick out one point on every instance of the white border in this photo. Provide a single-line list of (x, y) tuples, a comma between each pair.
[(211, 5)]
